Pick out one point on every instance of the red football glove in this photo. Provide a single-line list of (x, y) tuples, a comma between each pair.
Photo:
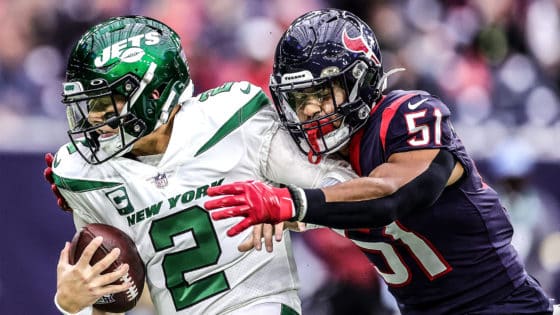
[(254, 200), (48, 176)]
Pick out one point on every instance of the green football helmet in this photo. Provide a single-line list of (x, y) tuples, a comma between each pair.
[(132, 70)]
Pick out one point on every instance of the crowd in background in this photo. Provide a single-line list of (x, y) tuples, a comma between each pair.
[(496, 64)]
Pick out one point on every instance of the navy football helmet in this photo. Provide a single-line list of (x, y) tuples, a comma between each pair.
[(320, 50)]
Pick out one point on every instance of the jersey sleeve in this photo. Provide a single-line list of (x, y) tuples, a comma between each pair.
[(243, 106), (69, 172), (421, 122), (283, 163)]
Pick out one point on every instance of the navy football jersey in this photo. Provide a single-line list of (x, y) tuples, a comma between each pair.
[(454, 256)]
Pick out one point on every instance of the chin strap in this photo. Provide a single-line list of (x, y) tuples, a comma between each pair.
[(312, 158), (313, 135)]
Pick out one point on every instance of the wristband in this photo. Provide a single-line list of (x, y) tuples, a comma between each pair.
[(88, 310), (299, 201)]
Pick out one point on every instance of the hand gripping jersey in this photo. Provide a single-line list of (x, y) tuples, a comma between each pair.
[(224, 135), (455, 256)]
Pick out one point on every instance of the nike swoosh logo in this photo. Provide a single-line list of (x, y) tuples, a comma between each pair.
[(246, 90), (415, 105), (56, 161)]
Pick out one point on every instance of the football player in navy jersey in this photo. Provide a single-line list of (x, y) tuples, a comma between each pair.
[(420, 211)]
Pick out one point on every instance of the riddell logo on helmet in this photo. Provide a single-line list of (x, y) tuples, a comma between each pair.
[(116, 50), (359, 44)]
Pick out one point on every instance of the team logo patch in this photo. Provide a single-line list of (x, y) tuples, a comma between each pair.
[(359, 45)]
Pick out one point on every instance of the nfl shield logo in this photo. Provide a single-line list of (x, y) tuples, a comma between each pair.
[(160, 180)]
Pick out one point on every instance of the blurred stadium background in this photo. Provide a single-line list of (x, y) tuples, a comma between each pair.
[(495, 63)]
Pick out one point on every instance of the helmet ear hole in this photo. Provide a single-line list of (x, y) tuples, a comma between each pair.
[(151, 106), (155, 94), (359, 70)]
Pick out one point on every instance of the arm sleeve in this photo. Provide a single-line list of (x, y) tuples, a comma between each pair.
[(419, 193)]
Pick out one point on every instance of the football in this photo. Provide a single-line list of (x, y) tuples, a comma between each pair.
[(112, 237)]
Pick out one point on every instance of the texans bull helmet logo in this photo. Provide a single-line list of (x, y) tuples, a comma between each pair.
[(359, 45)]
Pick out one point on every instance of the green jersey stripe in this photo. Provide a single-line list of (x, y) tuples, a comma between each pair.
[(79, 185), (242, 115), (286, 310)]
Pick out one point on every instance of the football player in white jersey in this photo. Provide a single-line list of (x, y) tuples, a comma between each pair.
[(143, 151)]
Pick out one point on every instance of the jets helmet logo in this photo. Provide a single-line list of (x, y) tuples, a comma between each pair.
[(128, 50)]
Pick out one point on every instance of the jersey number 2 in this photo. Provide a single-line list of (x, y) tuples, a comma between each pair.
[(190, 225)]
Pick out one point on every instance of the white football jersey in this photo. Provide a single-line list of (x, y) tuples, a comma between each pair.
[(224, 135)]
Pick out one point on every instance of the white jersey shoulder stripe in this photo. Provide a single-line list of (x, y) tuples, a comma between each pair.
[(244, 113)]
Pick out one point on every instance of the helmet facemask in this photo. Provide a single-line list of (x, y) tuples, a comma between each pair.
[(115, 128), (324, 49), (327, 133)]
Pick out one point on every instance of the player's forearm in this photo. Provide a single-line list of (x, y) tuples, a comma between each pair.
[(364, 188), (360, 210)]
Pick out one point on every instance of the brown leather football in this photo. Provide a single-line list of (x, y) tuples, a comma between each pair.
[(112, 237)]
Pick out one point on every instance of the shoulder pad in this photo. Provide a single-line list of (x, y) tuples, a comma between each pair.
[(413, 120), (241, 99), (233, 91), (71, 172)]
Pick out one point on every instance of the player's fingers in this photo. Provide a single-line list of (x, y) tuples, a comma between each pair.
[(267, 234), (112, 288), (60, 201), (63, 259), (88, 252), (223, 214), (240, 227), (55, 190), (257, 235), (247, 244), (49, 158), (278, 231), (106, 261), (110, 277), (227, 201), (226, 189), (229, 213), (63, 205), (48, 175)]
